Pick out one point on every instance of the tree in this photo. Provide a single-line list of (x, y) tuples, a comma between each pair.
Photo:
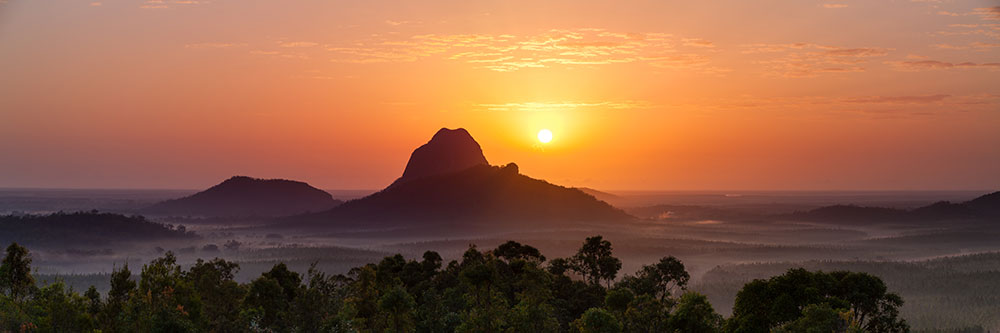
[(763, 305), (694, 314), (817, 318), (94, 304), (398, 308), (594, 261), (122, 287), (270, 297), (533, 311), (488, 310), (512, 250), (60, 310), (661, 280), (219, 293), (617, 300), (872, 307), (170, 301), (15, 273), (597, 320), (646, 314)]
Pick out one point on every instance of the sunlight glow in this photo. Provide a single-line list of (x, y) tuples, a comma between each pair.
[(544, 136)]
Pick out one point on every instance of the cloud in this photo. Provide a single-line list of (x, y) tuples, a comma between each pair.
[(924, 65), (399, 23), (163, 4), (213, 45), (879, 106), (924, 99), (796, 60), (95, 4), (973, 45), (564, 106), (507, 53), (988, 13), (297, 44), (279, 54), (834, 5)]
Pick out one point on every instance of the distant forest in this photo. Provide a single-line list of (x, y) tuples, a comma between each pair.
[(512, 288), (84, 229)]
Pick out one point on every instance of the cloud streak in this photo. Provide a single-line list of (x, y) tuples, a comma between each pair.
[(798, 60), (508, 53), (928, 64), (564, 106)]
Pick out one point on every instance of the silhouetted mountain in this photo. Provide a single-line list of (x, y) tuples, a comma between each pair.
[(83, 229), (448, 151), (245, 196), (985, 206), (440, 187)]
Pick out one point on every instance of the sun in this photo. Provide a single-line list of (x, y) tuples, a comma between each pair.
[(544, 136)]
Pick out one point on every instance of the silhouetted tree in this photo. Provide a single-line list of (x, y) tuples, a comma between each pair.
[(597, 320), (594, 261), (694, 314), (661, 280), (763, 305), (15, 272)]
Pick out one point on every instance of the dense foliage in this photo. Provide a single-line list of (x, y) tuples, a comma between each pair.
[(949, 294), (508, 289)]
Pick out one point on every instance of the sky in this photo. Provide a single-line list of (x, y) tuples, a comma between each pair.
[(639, 95)]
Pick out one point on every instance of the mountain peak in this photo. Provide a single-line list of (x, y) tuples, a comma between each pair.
[(449, 150)]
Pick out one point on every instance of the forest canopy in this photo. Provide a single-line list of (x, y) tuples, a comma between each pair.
[(512, 288)]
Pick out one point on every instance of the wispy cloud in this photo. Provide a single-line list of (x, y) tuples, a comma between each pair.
[(919, 99), (163, 4), (506, 53), (809, 60), (834, 5), (972, 46), (988, 13), (401, 22), (564, 106), (879, 106), (213, 45), (929, 64), (297, 44)]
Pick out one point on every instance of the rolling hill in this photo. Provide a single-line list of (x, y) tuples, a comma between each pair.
[(242, 196)]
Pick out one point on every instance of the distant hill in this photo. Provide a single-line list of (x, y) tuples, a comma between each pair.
[(434, 191), (242, 196), (83, 229), (983, 207), (987, 205)]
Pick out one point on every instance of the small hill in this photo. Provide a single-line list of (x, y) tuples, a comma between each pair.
[(83, 229), (986, 205), (983, 207), (242, 196), (448, 180)]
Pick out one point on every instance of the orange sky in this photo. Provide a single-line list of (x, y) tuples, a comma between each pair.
[(668, 95)]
